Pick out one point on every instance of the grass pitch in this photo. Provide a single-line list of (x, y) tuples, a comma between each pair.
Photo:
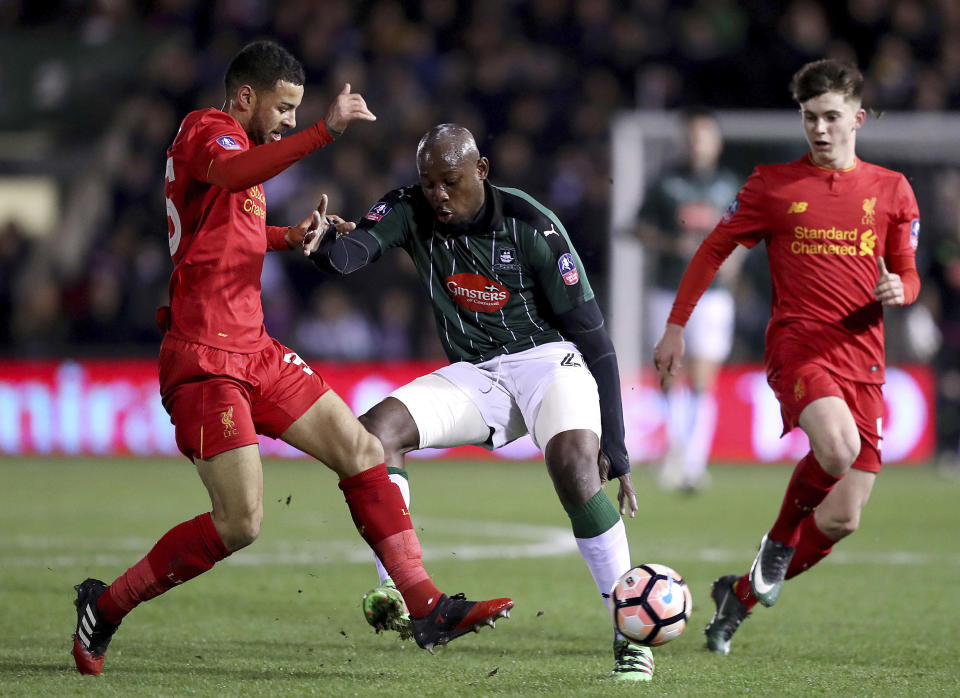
[(879, 617)]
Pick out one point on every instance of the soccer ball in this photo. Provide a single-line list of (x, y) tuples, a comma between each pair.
[(650, 604)]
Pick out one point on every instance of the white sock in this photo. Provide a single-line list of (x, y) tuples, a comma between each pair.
[(404, 485), (607, 556), (703, 409)]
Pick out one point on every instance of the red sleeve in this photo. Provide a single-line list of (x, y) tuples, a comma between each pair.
[(238, 170), (902, 238), (746, 220), (699, 274), (276, 238)]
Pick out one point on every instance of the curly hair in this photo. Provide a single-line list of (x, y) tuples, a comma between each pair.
[(262, 64)]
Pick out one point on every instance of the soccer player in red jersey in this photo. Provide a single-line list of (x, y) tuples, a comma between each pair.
[(841, 236), (223, 380)]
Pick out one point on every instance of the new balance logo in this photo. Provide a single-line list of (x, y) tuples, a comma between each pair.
[(797, 207), (568, 360)]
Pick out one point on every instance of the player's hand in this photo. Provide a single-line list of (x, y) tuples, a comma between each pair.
[(308, 233), (627, 496), (889, 288), (345, 108), (668, 355)]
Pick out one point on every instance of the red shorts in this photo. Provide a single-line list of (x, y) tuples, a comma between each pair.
[(219, 400), (798, 386)]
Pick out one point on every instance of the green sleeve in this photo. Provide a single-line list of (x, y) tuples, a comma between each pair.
[(389, 220), (557, 267)]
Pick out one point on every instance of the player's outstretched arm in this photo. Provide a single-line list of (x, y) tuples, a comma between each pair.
[(238, 170), (668, 355), (345, 108)]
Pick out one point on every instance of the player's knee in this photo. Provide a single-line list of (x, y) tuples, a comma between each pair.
[(378, 428), (572, 464), (240, 529), (839, 453), (369, 450), (392, 426)]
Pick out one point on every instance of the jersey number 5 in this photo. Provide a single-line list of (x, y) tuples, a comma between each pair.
[(176, 231)]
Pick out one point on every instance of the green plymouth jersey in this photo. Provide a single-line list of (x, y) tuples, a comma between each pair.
[(496, 289)]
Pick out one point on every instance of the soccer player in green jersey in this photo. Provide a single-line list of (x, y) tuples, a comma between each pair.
[(528, 349)]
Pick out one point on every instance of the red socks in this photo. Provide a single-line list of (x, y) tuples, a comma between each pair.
[(383, 520), (807, 488), (813, 546), (194, 546), (183, 552), (743, 591)]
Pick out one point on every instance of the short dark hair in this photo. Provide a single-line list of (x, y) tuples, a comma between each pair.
[(697, 111), (827, 75), (262, 64)]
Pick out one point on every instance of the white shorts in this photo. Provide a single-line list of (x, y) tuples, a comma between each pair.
[(541, 391), (708, 333)]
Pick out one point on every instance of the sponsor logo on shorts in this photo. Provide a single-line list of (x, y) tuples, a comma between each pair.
[(379, 210), (229, 143), (568, 360), (229, 428), (477, 293), (799, 390), (568, 269)]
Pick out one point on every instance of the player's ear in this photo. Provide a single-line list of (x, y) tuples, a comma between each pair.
[(483, 168), (859, 118), (245, 97)]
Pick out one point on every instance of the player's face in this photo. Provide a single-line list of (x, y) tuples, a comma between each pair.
[(704, 143), (830, 122), (454, 190), (275, 111)]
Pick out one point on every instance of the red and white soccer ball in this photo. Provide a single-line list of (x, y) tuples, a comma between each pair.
[(650, 604)]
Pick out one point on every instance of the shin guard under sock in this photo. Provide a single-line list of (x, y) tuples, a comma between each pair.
[(185, 551), (383, 521)]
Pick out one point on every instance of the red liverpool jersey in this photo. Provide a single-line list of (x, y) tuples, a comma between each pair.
[(217, 240), (824, 231)]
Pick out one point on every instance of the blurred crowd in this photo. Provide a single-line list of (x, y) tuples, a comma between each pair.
[(537, 81)]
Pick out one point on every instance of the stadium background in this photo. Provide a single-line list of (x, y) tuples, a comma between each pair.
[(91, 94)]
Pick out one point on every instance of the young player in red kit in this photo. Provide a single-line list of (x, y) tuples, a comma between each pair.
[(223, 380), (841, 236)]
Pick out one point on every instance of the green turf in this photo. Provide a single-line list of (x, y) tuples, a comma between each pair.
[(282, 618)]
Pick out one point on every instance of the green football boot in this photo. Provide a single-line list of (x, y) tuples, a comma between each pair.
[(632, 662), (384, 609)]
